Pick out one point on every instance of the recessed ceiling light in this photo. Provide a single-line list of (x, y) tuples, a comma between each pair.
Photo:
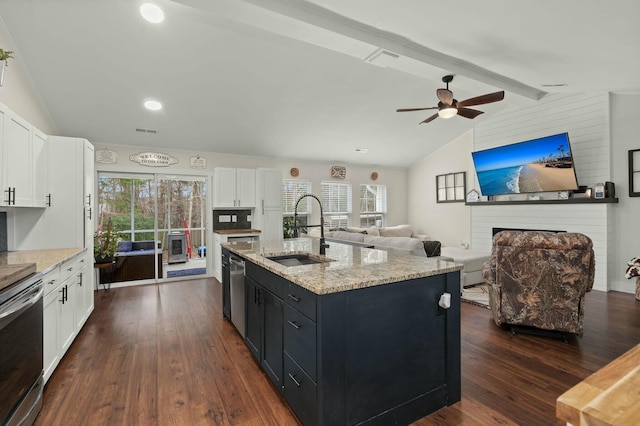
[(153, 105), (152, 13)]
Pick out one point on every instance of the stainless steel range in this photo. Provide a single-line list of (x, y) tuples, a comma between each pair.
[(21, 381)]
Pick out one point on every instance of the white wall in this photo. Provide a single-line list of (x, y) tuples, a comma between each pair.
[(446, 222), (395, 179), (18, 92), (625, 135)]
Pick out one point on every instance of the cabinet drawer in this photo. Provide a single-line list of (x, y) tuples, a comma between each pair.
[(300, 392), (70, 268), (272, 282), (301, 299), (51, 280), (300, 339)]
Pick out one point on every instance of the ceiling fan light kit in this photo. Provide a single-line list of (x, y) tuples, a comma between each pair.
[(449, 107), (447, 112)]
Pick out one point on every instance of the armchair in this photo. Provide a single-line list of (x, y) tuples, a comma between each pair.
[(539, 279)]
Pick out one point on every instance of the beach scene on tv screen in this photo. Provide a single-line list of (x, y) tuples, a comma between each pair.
[(538, 165)]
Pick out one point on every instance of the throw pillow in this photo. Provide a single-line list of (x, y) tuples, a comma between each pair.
[(396, 231), (432, 248), (124, 245), (348, 236)]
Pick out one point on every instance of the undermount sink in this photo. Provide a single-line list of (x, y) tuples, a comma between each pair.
[(296, 259)]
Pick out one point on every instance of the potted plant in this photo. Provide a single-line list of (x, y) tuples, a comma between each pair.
[(5, 55), (105, 244)]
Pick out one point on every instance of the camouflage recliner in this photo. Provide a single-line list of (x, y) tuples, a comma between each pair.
[(539, 279)]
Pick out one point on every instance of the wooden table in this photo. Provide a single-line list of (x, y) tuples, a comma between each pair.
[(610, 396)]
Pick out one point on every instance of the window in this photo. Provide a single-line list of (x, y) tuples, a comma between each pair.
[(151, 207), (373, 205), (291, 191), (336, 203)]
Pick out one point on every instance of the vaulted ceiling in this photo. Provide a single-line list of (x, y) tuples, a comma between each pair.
[(310, 80)]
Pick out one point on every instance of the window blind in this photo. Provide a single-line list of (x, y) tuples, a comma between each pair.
[(336, 203), (291, 191)]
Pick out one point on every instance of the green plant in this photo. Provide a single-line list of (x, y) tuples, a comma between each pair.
[(5, 55), (288, 227), (105, 242)]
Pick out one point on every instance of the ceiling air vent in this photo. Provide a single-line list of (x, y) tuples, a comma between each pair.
[(141, 130), (382, 57), (555, 85)]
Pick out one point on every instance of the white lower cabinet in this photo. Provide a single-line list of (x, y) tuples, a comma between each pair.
[(84, 295), (68, 302)]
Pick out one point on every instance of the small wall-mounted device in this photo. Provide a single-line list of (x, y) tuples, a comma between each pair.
[(445, 301)]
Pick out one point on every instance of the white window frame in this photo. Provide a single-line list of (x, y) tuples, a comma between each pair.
[(337, 212), (379, 200)]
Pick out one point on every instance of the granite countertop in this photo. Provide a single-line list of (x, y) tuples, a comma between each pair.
[(347, 267), (44, 259)]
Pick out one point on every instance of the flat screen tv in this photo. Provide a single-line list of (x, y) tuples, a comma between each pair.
[(537, 165)]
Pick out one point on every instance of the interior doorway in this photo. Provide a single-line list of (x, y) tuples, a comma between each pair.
[(161, 222)]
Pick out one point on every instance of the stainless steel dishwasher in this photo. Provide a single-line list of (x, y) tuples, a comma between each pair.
[(236, 265)]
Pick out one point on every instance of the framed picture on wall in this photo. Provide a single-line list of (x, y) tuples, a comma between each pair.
[(451, 187), (634, 173)]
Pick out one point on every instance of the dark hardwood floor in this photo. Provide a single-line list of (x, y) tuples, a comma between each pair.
[(163, 355)]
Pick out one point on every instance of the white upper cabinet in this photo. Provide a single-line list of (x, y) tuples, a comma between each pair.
[(234, 188), (24, 162), (40, 169)]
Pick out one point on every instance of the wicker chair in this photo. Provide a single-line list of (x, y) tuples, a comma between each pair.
[(539, 279)]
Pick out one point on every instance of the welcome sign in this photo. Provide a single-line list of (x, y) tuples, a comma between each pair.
[(153, 159)]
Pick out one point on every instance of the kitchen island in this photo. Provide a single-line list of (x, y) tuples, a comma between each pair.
[(358, 338)]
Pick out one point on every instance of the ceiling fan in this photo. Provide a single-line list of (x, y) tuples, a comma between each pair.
[(449, 107)]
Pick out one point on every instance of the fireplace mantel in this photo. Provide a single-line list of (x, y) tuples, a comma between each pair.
[(548, 201)]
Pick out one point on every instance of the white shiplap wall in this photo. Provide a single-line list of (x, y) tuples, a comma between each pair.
[(586, 118)]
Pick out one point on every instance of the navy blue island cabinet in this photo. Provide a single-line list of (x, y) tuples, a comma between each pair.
[(380, 355)]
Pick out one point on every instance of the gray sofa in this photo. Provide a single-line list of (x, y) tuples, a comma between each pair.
[(399, 239)]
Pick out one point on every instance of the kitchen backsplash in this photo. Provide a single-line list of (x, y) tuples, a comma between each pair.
[(3, 232), (231, 219)]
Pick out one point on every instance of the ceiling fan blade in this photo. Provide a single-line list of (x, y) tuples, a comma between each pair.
[(484, 99), (433, 117), (468, 112), (414, 109), (445, 96)]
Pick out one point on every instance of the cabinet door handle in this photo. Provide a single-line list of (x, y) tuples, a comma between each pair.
[(294, 298), (297, 383), (49, 200), (89, 213), (294, 325), (62, 295), (51, 282), (80, 279), (89, 200), (262, 206), (14, 196)]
